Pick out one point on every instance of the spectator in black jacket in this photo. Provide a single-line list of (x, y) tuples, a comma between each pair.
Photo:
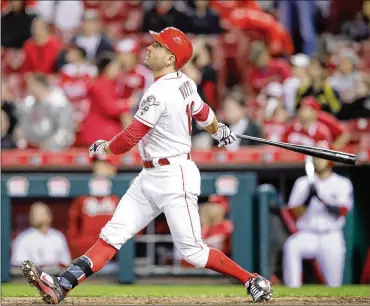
[(163, 15), (91, 39), (204, 20), (16, 25), (236, 118), (8, 117)]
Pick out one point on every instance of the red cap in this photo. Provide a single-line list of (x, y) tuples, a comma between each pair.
[(219, 200), (312, 102), (128, 45), (177, 42)]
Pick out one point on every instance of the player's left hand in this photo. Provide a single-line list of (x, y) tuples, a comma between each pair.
[(97, 148), (224, 135)]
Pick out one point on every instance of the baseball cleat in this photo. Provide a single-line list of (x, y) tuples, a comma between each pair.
[(46, 285), (259, 288)]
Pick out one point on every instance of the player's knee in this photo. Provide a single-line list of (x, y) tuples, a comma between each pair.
[(199, 258), (114, 235)]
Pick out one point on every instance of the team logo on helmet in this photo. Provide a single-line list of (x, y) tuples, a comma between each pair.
[(148, 102)]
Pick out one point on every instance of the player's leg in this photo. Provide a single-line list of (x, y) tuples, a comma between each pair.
[(133, 213), (299, 246), (331, 257), (180, 207)]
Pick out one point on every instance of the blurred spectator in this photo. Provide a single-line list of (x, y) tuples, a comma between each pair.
[(104, 118), (41, 243), (304, 13), (275, 114), (202, 71), (88, 214), (264, 69), (359, 29), (16, 25), (299, 67), (134, 78), (8, 117), (318, 86), (216, 228), (41, 50), (226, 8), (74, 79), (7, 141), (163, 15), (341, 11), (237, 120), (319, 203), (260, 25), (92, 39), (204, 20), (64, 15), (346, 76), (307, 129), (360, 107), (45, 116)]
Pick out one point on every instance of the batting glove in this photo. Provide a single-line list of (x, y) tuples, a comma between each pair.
[(97, 148), (224, 135)]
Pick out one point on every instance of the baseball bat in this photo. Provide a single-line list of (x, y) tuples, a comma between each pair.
[(336, 156)]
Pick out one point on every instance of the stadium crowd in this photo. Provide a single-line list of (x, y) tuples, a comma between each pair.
[(72, 67)]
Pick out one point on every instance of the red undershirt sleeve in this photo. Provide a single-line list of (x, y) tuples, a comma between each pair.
[(129, 137)]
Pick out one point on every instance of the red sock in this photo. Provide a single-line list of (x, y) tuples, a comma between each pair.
[(96, 258), (219, 262), (100, 254)]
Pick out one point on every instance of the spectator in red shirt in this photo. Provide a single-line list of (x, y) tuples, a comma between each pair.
[(216, 228), (264, 69), (134, 78), (307, 129), (41, 50), (74, 79), (88, 214), (104, 118)]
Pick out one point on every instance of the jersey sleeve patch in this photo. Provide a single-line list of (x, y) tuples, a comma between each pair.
[(145, 104)]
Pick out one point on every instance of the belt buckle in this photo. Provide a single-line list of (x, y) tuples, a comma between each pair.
[(155, 162)]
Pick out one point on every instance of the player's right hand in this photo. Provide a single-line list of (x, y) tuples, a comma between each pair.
[(224, 135), (97, 148)]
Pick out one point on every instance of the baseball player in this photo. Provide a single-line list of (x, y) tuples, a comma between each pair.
[(320, 204), (169, 181)]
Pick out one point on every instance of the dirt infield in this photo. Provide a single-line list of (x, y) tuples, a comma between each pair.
[(193, 301)]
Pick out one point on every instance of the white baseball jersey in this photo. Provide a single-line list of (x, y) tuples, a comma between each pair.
[(334, 190), (167, 107), (43, 249)]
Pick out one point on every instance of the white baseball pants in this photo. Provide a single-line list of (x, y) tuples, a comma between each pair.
[(328, 249), (173, 190)]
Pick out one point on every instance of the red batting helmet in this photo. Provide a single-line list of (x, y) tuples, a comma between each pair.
[(177, 42)]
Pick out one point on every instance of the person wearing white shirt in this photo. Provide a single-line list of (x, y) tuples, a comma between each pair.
[(300, 63), (321, 204), (44, 244)]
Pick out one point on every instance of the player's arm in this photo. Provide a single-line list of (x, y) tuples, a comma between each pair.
[(151, 108), (207, 119)]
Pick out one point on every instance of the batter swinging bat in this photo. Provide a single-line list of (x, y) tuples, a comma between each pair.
[(340, 157)]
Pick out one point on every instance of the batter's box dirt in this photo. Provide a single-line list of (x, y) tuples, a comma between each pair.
[(194, 301)]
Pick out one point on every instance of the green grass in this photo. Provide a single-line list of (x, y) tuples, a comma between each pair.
[(93, 290)]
